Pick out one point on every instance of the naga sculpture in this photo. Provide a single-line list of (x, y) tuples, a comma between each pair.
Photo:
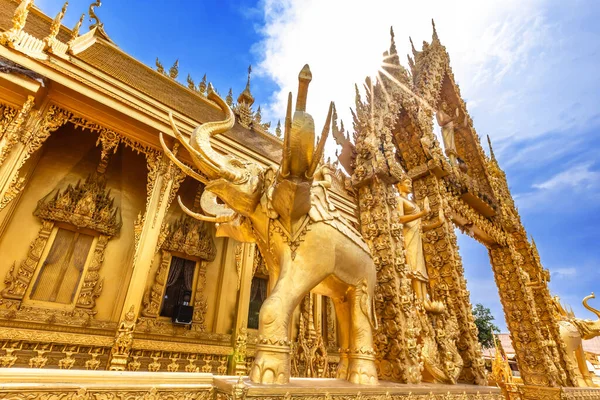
[(572, 331), (307, 245)]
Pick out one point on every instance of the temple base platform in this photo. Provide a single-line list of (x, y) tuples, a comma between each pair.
[(237, 388), (53, 384)]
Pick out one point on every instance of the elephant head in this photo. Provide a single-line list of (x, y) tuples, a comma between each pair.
[(589, 329), (234, 186), (240, 185)]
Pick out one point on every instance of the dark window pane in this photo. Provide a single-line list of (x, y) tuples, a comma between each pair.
[(179, 285), (258, 294), (61, 272)]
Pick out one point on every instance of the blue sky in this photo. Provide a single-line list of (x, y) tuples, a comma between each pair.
[(528, 70)]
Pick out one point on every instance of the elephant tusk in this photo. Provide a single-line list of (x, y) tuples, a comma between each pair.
[(218, 219), (287, 151), (585, 304), (187, 170), (196, 155), (321, 146)]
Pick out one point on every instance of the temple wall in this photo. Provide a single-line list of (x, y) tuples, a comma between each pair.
[(68, 156)]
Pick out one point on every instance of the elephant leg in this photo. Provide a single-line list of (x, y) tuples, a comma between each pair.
[(361, 367), (342, 313), (272, 360), (580, 355)]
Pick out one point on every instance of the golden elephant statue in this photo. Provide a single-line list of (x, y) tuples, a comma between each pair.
[(572, 332), (307, 245)]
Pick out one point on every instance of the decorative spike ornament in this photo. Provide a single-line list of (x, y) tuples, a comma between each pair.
[(202, 85), (229, 98), (159, 66), (174, 70), (95, 21), (191, 83)]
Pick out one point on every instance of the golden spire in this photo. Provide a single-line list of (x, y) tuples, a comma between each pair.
[(159, 66), (191, 83), (202, 85), (229, 98), (246, 96), (434, 37), (93, 17), (492, 155), (393, 57), (55, 27), (75, 32), (536, 254), (174, 70), (278, 129), (258, 115)]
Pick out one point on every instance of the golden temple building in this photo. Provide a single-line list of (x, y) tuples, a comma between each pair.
[(113, 289)]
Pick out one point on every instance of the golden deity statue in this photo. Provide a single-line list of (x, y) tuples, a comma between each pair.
[(306, 243), (446, 119), (411, 219)]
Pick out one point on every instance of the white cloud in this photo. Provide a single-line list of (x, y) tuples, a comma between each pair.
[(343, 41), (580, 181), (579, 176), (567, 272)]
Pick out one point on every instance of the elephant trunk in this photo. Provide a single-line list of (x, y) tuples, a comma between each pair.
[(585, 304), (214, 164), (211, 163)]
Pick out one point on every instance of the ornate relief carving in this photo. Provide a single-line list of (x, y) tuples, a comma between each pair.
[(309, 356), (18, 278), (88, 204), (92, 284), (239, 251), (153, 297), (11, 125), (200, 302), (112, 394), (191, 237), (123, 342)]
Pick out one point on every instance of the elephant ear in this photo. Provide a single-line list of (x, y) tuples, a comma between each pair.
[(266, 201)]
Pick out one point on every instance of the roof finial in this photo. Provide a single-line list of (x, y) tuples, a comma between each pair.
[(304, 78), (55, 27), (278, 129), (246, 96), (434, 37), (93, 17), (75, 31), (18, 23)]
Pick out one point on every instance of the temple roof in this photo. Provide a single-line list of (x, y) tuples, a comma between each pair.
[(109, 59)]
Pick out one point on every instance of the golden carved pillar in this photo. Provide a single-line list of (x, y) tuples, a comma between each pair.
[(536, 366), (397, 347), (446, 279), (24, 135), (244, 261), (542, 333), (163, 182)]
